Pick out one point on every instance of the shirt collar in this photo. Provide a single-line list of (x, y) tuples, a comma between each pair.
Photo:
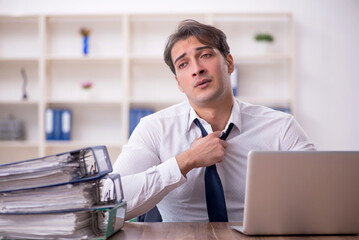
[(234, 118)]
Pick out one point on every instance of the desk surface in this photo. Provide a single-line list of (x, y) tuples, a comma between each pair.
[(201, 230)]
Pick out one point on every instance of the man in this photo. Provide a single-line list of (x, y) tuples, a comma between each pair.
[(165, 160)]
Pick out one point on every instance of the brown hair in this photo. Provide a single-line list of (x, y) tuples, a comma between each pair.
[(206, 34)]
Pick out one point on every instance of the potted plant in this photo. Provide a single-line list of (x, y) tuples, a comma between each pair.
[(264, 40), (87, 86)]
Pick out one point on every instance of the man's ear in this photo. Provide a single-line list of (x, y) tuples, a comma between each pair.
[(178, 84), (230, 63)]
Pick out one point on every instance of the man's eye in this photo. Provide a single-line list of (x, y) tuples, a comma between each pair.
[(182, 65), (206, 55)]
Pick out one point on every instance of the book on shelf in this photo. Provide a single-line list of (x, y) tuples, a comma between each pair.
[(66, 195), (135, 116)]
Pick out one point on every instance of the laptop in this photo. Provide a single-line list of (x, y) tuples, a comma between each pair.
[(301, 193)]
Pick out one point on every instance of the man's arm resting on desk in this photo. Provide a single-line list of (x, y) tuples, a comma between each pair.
[(144, 190)]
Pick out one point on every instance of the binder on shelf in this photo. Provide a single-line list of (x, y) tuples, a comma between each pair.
[(283, 109), (69, 167), (88, 195), (235, 80), (84, 224), (49, 124), (135, 116), (66, 124), (58, 124)]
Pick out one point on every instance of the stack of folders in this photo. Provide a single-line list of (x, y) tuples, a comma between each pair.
[(61, 196)]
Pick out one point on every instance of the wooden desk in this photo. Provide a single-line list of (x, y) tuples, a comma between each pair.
[(201, 231)]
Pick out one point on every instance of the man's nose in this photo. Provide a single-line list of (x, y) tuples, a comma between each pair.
[(198, 70)]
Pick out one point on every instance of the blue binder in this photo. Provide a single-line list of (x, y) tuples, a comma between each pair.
[(66, 124), (68, 167), (49, 124), (235, 80), (135, 116), (58, 124)]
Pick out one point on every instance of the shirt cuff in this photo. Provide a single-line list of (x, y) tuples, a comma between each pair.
[(170, 173)]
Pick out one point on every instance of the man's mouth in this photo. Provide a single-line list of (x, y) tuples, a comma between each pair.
[(202, 83)]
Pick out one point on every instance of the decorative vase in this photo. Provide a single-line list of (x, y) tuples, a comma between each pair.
[(85, 45), (87, 94), (263, 47)]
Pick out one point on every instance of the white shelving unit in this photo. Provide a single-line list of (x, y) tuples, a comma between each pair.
[(126, 66)]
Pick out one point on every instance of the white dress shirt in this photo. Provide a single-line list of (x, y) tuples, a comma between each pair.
[(150, 174)]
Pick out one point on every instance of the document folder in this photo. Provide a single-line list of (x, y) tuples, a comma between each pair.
[(89, 195), (87, 224), (70, 195), (69, 167)]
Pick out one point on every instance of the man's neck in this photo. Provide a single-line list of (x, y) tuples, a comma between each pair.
[(216, 115)]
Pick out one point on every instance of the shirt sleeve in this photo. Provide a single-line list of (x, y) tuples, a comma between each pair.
[(145, 178), (294, 138)]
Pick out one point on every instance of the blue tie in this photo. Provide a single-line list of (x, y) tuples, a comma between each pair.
[(216, 203)]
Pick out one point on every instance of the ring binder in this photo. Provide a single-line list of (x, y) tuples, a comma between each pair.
[(86, 224), (61, 196), (68, 167), (78, 196)]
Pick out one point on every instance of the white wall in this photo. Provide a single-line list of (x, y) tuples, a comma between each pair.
[(327, 38)]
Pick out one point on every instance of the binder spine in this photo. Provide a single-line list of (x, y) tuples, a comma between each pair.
[(66, 124), (49, 124), (58, 124)]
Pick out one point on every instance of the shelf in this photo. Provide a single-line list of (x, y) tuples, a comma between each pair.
[(65, 80), (147, 57), (90, 59), (269, 102), (148, 33), (19, 37), (18, 153), (19, 103), (64, 38), (17, 144), (264, 58), (155, 104), (80, 144), (126, 67), (18, 59), (85, 102), (114, 149), (11, 81)]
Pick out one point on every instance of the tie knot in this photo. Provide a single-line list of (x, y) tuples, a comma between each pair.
[(225, 134), (204, 132)]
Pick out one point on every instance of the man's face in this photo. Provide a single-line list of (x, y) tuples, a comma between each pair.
[(202, 72)]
